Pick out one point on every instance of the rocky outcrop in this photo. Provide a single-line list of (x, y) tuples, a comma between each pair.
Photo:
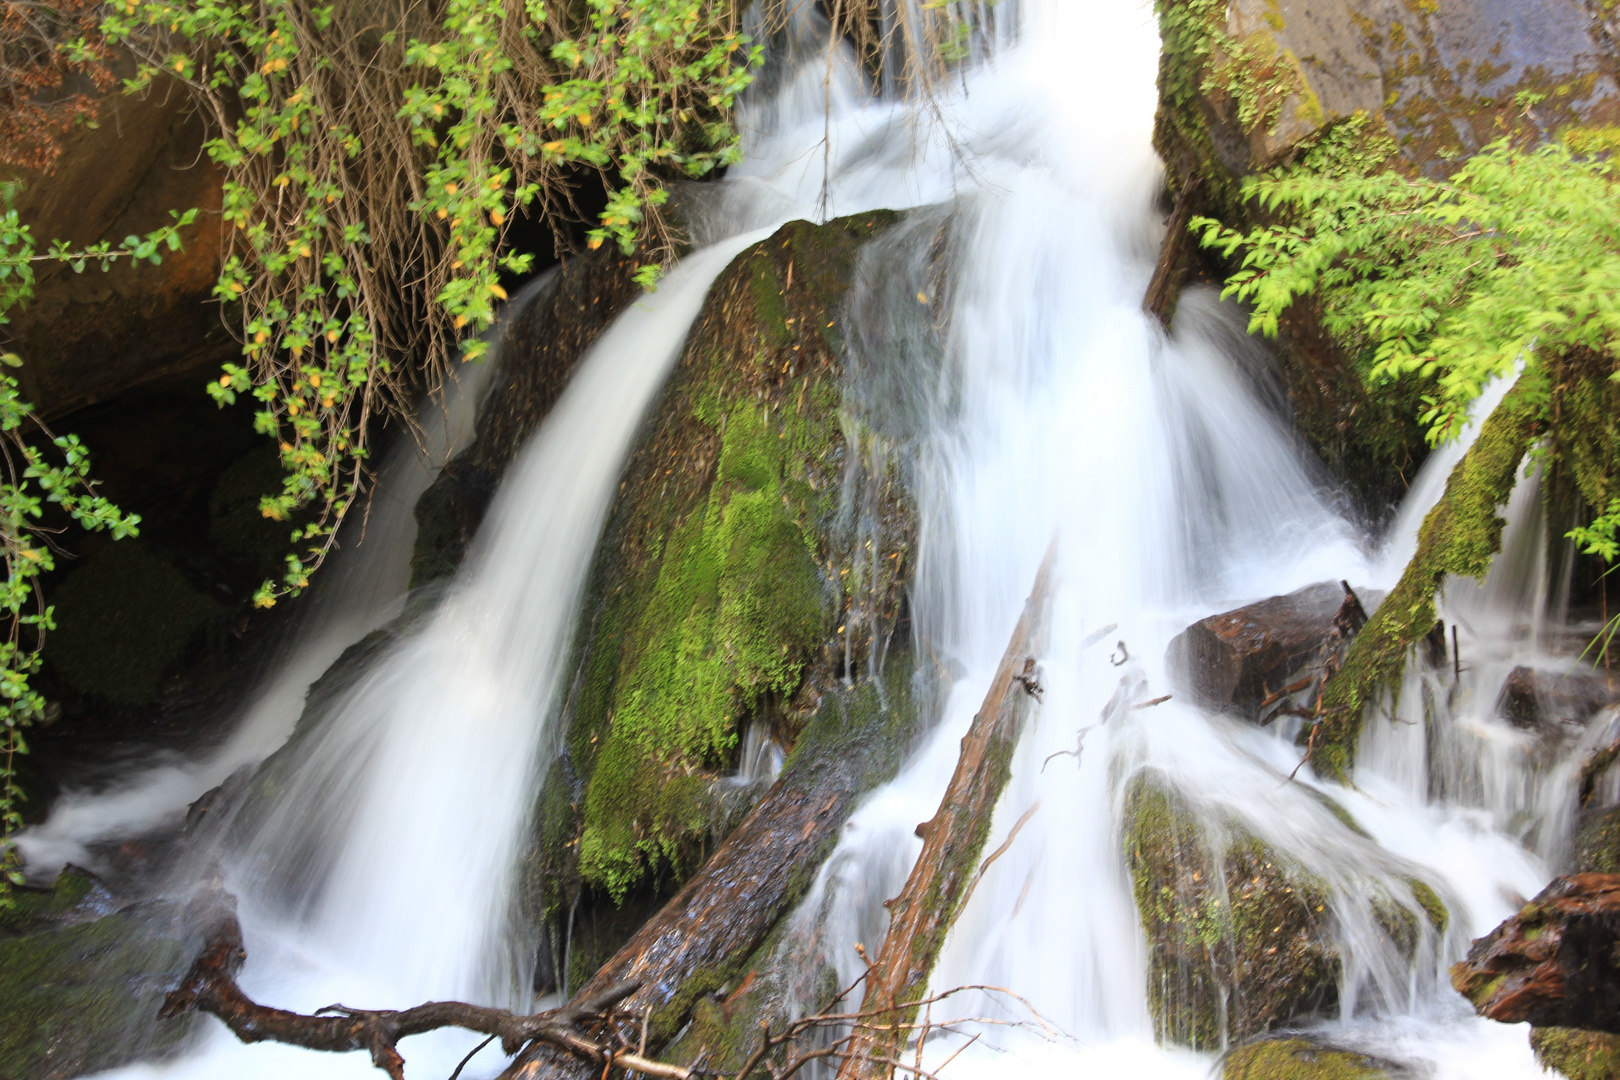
[(1576, 1054), (1534, 699), (1554, 964), (1243, 658)]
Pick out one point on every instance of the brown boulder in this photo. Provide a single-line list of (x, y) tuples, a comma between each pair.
[(1532, 698), (1239, 658), (1554, 964)]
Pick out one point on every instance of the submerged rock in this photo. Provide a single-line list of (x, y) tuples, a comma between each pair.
[(1556, 963), (1300, 1058), (1237, 658)]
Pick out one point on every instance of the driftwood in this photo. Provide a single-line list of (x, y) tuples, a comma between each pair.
[(1171, 269), (921, 916), (1556, 963), (584, 1029)]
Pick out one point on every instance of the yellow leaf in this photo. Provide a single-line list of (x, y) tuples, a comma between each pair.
[(224, 380), (236, 287), (553, 147), (451, 189), (442, 213), (332, 335), (596, 242), (461, 320), (315, 380), (496, 217), (498, 291)]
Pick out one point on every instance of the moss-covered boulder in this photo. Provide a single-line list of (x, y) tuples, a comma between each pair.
[(124, 618), (1597, 843), (81, 981), (1577, 1054), (1238, 937), (729, 569), (1300, 1058)]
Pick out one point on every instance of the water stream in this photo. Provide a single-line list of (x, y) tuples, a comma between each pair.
[(1050, 406)]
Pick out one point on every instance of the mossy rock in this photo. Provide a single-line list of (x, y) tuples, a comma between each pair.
[(235, 524), (1302, 1059), (82, 988), (1237, 936), (728, 572), (123, 620), (1597, 843), (1576, 1054)]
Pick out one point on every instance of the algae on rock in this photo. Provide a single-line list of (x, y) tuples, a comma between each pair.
[(1298, 1058), (1577, 1054)]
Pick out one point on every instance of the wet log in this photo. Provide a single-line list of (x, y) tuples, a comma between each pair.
[(701, 938), (921, 916), (1555, 963), (210, 986), (1174, 252), (1241, 659)]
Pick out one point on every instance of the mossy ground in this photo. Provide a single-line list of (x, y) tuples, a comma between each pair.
[(81, 988), (1301, 1059)]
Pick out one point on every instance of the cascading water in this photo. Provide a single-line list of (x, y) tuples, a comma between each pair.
[(1056, 408)]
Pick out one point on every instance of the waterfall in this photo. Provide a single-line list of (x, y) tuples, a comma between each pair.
[(1051, 406)]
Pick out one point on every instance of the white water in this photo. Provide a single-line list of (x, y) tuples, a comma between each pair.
[(1061, 410)]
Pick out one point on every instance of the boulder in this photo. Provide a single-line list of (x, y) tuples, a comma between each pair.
[(1536, 699), (1237, 659), (1555, 963), (1579, 1055), (1232, 928)]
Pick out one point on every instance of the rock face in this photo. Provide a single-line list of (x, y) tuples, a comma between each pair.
[(1237, 658), (1555, 963), (89, 337), (1579, 1055)]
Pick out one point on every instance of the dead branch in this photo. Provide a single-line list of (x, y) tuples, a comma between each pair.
[(210, 986), (1171, 268), (921, 916)]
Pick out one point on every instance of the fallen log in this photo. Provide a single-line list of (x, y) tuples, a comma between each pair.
[(585, 1029), (1555, 963), (700, 939), (922, 915)]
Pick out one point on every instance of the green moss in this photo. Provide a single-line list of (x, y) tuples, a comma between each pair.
[(235, 524), (123, 619), (1300, 1059), (1597, 843), (1576, 1054), (1236, 934), (1459, 536), (1433, 907)]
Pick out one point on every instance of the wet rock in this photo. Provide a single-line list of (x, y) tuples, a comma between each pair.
[(81, 986), (1234, 660), (1300, 1058), (1554, 964), (1576, 1054), (1533, 699), (1597, 843), (1238, 938)]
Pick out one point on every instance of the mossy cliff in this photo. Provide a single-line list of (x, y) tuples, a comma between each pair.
[(722, 593), (1576, 1054), (81, 982)]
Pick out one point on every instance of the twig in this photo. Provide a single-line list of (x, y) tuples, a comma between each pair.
[(1000, 851)]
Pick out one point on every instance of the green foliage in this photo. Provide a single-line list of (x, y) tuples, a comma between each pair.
[(1512, 258), (32, 479), (372, 172)]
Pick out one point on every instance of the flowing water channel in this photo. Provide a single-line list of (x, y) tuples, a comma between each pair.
[(1048, 405)]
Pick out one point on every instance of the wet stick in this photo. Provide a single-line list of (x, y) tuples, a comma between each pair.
[(921, 916)]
